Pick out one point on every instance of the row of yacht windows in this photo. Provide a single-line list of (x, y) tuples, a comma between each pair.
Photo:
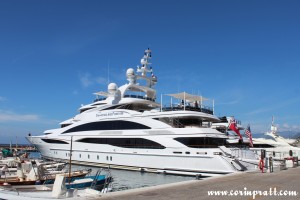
[(141, 143), (192, 142), (108, 158), (107, 125), (125, 142)]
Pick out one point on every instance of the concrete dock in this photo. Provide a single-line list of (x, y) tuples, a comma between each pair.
[(283, 184)]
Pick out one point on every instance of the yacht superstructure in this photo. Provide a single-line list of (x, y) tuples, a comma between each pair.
[(223, 126), (127, 129)]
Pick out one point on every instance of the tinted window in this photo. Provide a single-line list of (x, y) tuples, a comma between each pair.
[(124, 142), (201, 142), (262, 146), (54, 141), (107, 125)]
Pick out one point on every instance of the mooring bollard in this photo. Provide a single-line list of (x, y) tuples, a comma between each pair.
[(271, 164), (282, 165), (295, 161)]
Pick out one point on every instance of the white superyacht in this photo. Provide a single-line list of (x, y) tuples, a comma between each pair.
[(128, 130)]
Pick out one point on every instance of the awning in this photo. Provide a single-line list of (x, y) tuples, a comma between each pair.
[(188, 97), (104, 94)]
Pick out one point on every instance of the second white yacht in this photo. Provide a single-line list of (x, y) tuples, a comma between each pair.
[(275, 145)]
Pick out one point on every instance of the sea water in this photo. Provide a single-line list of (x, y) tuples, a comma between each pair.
[(124, 180)]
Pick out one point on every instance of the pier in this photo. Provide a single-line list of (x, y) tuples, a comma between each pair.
[(283, 184)]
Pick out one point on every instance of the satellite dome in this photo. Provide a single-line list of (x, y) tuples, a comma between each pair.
[(130, 72), (154, 79), (112, 88)]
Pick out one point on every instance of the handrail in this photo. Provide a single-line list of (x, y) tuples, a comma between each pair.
[(175, 107), (99, 99)]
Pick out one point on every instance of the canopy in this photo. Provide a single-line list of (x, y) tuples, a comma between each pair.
[(104, 94), (188, 97)]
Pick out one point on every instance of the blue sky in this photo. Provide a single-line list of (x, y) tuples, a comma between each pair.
[(55, 54)]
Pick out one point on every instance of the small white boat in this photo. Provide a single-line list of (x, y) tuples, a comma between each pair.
[(58, 191), (36, 173)]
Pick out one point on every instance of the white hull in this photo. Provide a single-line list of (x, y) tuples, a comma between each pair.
[(279, 152), (190, 160)]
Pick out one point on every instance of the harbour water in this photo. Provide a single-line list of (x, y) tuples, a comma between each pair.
[(124, 180)]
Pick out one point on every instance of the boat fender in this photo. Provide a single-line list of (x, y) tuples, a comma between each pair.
[(261, 165)]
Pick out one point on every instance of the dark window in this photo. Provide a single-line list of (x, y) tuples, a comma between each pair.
[(64, 125), (54, 141), (139, 143), (262, 146), (107, 125), (177, 152), (201, 142)]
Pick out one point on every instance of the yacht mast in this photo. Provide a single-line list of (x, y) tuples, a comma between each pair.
[(146, 68)]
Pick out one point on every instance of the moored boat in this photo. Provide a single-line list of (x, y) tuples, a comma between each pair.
[(128, 129)]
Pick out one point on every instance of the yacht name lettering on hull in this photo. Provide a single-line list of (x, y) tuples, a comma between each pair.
[(109, 114)]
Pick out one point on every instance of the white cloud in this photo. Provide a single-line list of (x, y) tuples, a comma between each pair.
[(285, 125), (296, 127), (10, 116), (86, 79), (233, 102), (259, 111), (289, 127), (101, 80), (274, 107)]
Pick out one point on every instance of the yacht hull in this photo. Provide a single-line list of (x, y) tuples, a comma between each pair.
[(154, 160)]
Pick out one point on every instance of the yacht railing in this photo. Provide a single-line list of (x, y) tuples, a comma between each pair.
[(176, 107), (99, 99), (242, 152)]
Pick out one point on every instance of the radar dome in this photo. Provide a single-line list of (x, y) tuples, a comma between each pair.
[(154, 79), (112, 88), (130, 72)]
